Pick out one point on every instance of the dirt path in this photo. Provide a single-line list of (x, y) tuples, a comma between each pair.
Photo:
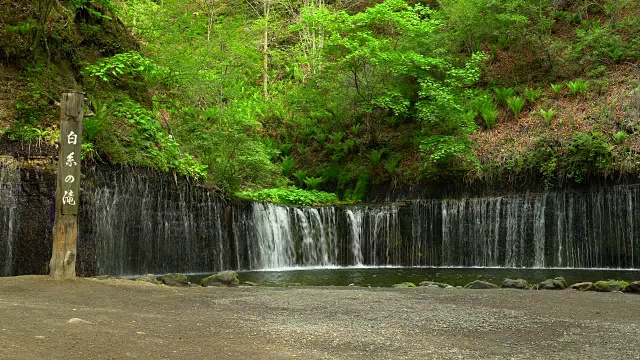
[(143, 321)]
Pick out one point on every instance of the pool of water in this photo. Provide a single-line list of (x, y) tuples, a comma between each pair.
[(387, 276)]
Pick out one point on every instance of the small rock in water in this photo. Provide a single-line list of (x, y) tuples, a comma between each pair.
[(633, 287), (249, 283), (175, 280), (433, 283), (553, 284), (78, 321), (405, 284), (224, 278), (515, 284), (583, 286), (479, 284), (610, 285), (150, 278)]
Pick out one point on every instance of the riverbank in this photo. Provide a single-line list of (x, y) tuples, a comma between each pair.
[(120, 319)]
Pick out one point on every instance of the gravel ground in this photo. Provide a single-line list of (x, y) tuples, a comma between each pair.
[(121, 319)]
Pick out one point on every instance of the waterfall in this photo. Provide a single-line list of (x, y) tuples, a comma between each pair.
[(355, 223), (133, 222), (9, 192)]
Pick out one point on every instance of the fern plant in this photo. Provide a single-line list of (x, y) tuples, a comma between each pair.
[(619, 137), (532, 95), (556, 88), (516, 104), (578, 86), (287, 166), (313, 182), (375, 157), (548, 115), (502, 94), (489, 113)]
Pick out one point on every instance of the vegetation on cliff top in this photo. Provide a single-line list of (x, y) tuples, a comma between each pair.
[(333, 95)]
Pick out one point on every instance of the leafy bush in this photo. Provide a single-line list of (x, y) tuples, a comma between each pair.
[(291, 196), (588, 154), (556, 88), (516, 104), (121, 67)]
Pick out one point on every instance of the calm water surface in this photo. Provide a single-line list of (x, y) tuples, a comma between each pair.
[(387, 276)]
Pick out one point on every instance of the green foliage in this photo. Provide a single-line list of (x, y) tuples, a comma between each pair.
[(301, 175), (312, 183), (556, 88), (532, 95), (375, 157), (547, 115), (503, 94), (151, 146), (287, 165), (588, 153), (489, 113), (578, 86), (291, 196), (516, 104), (619, 137), (447, 156), (121, 67), (93, 7)]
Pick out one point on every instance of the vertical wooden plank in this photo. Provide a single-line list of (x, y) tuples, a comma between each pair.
[(65, 225)]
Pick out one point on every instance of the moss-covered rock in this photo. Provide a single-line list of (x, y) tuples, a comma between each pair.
[(583, 286), (150, 278), (633, 287), (479, 284), (433, 284), (515, 284), (405, 284), (175, 280), (553, 284), (610, 285), (224, 278)]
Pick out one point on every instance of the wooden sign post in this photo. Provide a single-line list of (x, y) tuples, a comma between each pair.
[(65, 225)]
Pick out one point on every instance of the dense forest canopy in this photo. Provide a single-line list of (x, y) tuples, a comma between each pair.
[(340, 96)]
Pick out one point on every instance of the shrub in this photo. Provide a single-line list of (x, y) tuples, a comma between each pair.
[(291, 196), (516, 104), (313, 182), (556, 88), (287, 165)]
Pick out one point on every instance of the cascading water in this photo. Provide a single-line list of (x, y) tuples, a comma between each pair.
[(132, 223), (9, 192)]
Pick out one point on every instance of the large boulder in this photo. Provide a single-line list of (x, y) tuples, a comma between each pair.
[(633, 287), (479, 284), (175, 280), (515, 284), (434, 284), (583, 286), (610, 285), (225, 278), (553, 284)]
